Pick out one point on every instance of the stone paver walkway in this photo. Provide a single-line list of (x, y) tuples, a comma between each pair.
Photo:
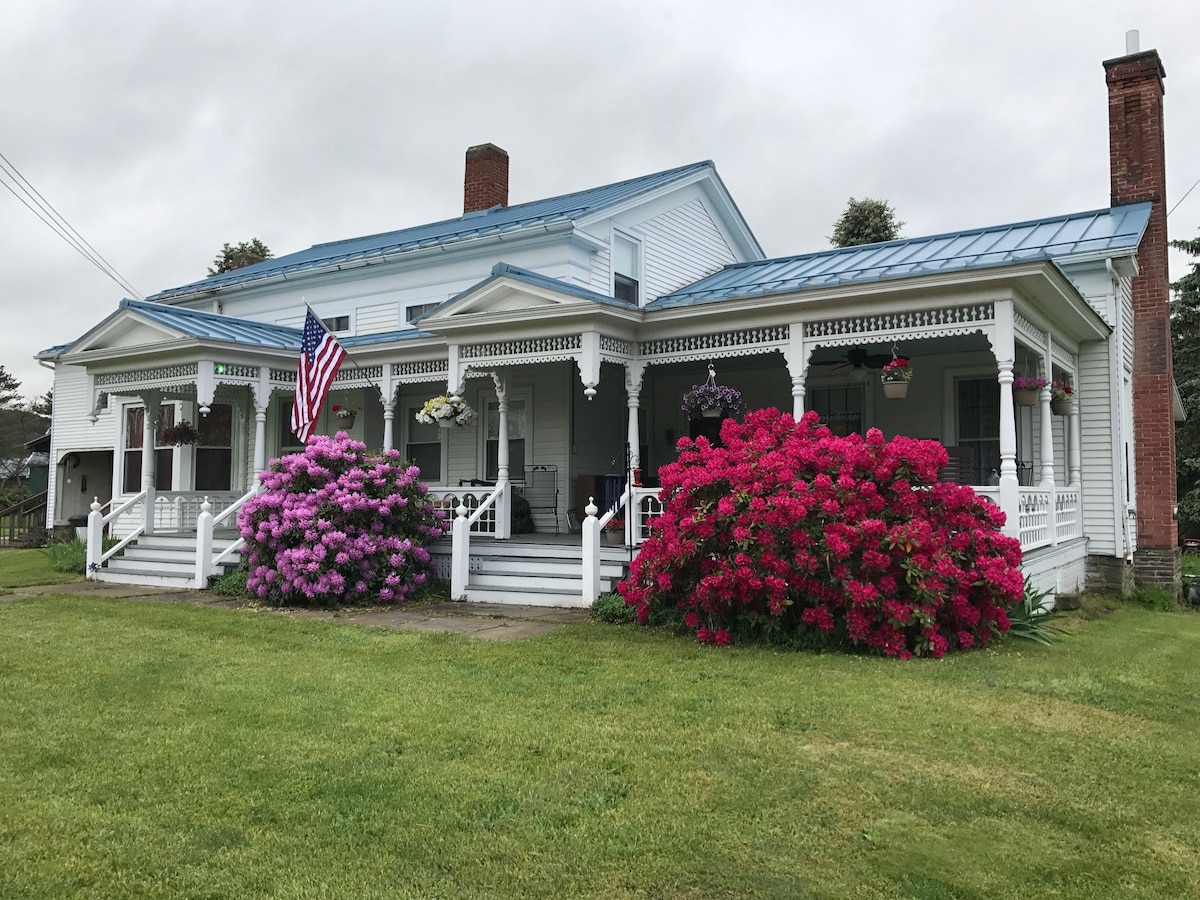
[(490, 621)]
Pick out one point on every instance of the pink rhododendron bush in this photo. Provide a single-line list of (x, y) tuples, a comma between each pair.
[(338, 525), (789, 528)]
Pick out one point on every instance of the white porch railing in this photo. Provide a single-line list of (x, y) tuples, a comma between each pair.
[(206, 563), (1034, 509), (1068, 523), (173, 510), (475, 500), (96, 555), (482, 520), (646, 506)]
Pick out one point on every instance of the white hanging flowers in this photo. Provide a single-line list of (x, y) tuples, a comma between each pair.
[(446, 411)]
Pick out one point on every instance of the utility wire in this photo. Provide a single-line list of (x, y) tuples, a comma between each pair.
[(1184, 197), (42, 208)]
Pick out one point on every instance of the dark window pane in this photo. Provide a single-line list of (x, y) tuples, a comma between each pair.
[(427, 458), (214, 469)]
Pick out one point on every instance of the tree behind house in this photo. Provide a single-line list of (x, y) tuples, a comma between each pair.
[(236, 256), (866, 221), (1185, 357)]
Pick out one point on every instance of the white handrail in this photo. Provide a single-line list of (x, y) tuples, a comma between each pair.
[(95, 555), (490, 501), (236, 504)]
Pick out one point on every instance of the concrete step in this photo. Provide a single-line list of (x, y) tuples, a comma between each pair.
[(526, 596), (518, 582), (166, 581)]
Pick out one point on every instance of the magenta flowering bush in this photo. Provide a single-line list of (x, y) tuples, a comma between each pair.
[(338, 525), (790, 528)]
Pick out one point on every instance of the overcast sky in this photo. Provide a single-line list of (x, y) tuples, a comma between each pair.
[(163, 129)]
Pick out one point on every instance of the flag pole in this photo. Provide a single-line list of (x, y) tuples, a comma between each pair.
[(353, 361)]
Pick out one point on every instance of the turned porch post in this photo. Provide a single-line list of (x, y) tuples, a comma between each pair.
[(260, 439), (151, 407), (1075, 463), (1010, 492), (504, 501)]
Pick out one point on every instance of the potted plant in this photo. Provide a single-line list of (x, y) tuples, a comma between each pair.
[(614, 531), (345, 415), (1060, 398), (181, 433), (712, 400), (895, 377), (446, 411), (1026, 390)]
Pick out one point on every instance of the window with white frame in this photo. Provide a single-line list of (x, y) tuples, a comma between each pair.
[(214, 449), (164, 454), (977, 407), (517, 430), (337, 324), (840, 407), (423, 448), (417, 310), (626, 266)]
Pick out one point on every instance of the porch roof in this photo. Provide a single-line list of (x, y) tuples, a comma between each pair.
[(1099, 232), (506, 220), (206, 326)]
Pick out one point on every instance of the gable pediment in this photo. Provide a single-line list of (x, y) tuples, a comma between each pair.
[(506, 297), (125, 330)]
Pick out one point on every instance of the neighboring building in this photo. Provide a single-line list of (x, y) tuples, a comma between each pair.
[(574, 324)]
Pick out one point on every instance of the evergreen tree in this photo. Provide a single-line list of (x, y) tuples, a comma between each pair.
[(1185, 357), (866, 221), (235, 256)]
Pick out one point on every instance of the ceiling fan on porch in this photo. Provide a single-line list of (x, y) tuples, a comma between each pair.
[(859, 358)]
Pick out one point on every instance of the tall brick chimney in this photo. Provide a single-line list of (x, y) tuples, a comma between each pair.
[(486, 181), (1137, 161)]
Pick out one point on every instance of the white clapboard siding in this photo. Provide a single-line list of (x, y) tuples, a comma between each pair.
[(378, 318), (1100, 473), (601, 275), (681, 246), (294, 320)]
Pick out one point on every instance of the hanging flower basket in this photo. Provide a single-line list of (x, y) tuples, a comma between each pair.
[(711, 400), (1060, 398), (182, 433), (345, 416), (447, 412), (1026, 390), (895, 376)]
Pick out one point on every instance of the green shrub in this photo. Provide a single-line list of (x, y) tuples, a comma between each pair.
[(71, 556), (1030, 619), (1153, 597), (613, 609), (232, 584)]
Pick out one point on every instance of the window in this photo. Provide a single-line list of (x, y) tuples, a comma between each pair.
[(626, 266), (516, 440), (337, 323), (164, 455), (841, 408), (424, 446), (214, 449), (978, 408), (419, 309)]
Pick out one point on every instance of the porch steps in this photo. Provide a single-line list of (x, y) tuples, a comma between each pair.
[(533, 574), (165, 560)]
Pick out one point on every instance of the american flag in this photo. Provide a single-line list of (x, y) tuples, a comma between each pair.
[(320, 358)]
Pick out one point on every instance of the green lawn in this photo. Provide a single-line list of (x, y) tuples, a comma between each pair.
[(154, 750), (22, 568)]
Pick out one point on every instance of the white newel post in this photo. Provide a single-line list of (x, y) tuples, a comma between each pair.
[(460, 554), (504, 501), (591, 553), (1010, 492), (260, 439), (149, 431), (1047, 441), (204, 544), (95, 538)]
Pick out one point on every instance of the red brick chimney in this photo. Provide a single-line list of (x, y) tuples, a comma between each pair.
[(1137, 159), (486, 182)]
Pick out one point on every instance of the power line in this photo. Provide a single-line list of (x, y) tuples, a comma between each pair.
[(40, 207), (1184, 197)]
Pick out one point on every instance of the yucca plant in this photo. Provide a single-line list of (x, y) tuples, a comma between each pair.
[(1031, 617)]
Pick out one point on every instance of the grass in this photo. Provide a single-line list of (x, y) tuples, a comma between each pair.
[(155, 750), (23, 568)]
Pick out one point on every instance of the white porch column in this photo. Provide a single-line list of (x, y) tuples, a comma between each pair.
[(634, 372), (797, 363), (504, 501), (150, 412), (389, 418), (1010, 492), (1046, 433), (1075, 461), (260, 438)]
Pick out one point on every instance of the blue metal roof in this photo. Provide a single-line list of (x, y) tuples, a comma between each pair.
[(495, 221), (1099, 232)]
